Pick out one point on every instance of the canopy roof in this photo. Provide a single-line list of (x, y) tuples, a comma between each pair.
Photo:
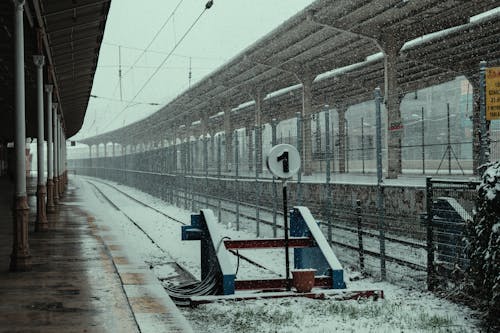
[(341, 44), (70, 35)]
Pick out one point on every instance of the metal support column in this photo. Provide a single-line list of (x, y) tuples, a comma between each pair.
[(329, 197), (228, 131), (257, 186), (258, 96), (248, 132), (236, 183), (219, 169), (393, 101), (483, 152), (341, 110), (307, 97), (55, 130), (274, 123), (20, 259), (380, 185), (299, 148), (41, 223)]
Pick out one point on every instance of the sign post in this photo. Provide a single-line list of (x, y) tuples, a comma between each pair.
[(283, 161)]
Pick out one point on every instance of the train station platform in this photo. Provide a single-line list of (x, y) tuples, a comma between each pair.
[(80, 281)]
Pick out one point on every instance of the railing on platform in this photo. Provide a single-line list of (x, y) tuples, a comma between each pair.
[(351, 226)]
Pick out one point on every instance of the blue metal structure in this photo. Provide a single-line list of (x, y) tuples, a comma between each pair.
[(311, 250), (320, 256)]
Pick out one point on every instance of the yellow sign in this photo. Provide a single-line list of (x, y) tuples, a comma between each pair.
[(493, 93)]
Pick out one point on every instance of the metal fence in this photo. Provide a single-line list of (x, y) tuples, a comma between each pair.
[(392, 243), (450, 204)]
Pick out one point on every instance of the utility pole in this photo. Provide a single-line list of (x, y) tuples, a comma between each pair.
[(190, 74), (120, 70)]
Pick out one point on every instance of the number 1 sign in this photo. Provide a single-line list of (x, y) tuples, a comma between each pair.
[(283, 161)]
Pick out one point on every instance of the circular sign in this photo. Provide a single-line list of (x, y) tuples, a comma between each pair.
[(283, 161)]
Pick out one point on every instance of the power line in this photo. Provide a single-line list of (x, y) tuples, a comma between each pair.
[(207, 6), (155, 36), (120, 100), (150, 67), (128, 47)]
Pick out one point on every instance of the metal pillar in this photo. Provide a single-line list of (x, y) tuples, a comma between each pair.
[(248, 131), (341, 110), (60, 159), (90, 157), (483, 151), (55, 130), (236, 173), (64, 162), (219, 167), (380, 185), (20, 259), (362, 145), (329, 197), (274, 123), (422, 131), (299, 147), (257, 185), (476, 124), (41, 223), (258, 96), (228, 133), (393, 101), (306, 124)]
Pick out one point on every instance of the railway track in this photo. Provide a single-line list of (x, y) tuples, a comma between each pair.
[(175, 288), (229, 206)]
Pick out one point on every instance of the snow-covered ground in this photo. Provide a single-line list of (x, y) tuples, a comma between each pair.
[(403, 310)]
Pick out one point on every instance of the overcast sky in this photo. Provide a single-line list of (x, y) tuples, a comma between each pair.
[(221, 33)]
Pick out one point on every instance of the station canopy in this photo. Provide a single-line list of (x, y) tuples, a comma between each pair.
[(342, 46), (69, 34)]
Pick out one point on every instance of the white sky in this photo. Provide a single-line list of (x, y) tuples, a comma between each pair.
[(222, 32)]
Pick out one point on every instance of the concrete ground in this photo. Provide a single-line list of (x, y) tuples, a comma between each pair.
[(77, 282)]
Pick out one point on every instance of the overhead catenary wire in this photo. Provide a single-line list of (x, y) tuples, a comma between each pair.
[(207, 6), (118, 100), (155, 36), (162, 52)]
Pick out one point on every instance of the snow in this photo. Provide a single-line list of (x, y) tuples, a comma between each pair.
[(404, 309)]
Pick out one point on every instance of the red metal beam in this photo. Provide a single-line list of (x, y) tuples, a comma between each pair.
[(276, 283), (326, 294), (266, 243)]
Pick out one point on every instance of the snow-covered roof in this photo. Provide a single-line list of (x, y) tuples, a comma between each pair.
[(339, 43)]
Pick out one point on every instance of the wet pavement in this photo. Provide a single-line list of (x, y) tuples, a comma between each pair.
[(79, 282)]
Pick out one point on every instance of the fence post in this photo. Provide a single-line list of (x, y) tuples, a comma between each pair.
[(430, 235), (257, 184), (219, 169), (186, 167), (329, 190), (363, 144), (483, 156), (275, 187), (192, 154), (423, 141), (299, 148), (205, 162), (347, 144), (360, 237), (380, 185), (448, 137), (236, 184)]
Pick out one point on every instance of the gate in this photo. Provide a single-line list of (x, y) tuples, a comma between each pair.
[(450, 204)]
